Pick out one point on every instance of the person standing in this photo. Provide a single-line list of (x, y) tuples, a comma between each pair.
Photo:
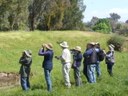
[(77, 58), (85, 61), (47, 64), (110, 60), (92, 61), (25, 61), (66, 62), (98, 69)]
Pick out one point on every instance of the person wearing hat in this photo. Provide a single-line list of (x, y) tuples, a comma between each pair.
[(25, 61), (66, 62), (110, 60), (47, 64), (91, 54), (77, 58)]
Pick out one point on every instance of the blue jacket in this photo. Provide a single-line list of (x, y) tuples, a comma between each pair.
[(77, 58), (48, 57), (87, 55)]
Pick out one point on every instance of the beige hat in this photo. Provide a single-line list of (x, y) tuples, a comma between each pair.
[(64, 44), (28, 53), (111, 45), (78, 48), (97, 43), (49, 46), (92, 43)]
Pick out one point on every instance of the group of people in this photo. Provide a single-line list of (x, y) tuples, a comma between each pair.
[(92, 56)]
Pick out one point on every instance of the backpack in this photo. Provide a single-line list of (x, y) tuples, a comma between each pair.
[(93, 57), (101, 55)]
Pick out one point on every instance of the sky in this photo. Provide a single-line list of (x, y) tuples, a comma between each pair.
[(102, 9)]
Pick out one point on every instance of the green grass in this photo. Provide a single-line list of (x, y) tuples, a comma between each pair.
[(13, 43)]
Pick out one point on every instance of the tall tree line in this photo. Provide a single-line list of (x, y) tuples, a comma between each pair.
[(41, 14)]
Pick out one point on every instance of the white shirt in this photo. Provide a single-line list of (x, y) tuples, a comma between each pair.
[(66, 56)]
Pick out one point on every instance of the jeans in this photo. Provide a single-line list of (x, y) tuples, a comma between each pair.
[(48, 79), (78, 81), (66, 69), (28, 83), (91, 73), (109, 68), (98, 71), (25, 83)]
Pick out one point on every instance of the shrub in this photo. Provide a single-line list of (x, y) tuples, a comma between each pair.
[(103, 25), (117, 41)]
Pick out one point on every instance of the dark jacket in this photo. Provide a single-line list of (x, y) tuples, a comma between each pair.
[(48, 58), (87, 56), (25, 66), (77, 58)]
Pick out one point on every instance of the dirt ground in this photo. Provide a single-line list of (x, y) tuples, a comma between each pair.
[(8, 79)]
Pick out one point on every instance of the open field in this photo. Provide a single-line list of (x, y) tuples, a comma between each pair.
[(13, 43)]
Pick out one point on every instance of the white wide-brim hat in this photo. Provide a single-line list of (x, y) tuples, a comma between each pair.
[(28, 53), (111, 45), (64, 44)]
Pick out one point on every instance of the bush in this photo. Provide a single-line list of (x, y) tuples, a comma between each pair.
[(103, 25), (117, 41)]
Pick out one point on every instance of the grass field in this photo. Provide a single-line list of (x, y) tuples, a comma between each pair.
[(13, 43)]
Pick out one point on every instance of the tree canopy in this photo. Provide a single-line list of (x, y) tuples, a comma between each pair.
[(102, 25), (41, 14)]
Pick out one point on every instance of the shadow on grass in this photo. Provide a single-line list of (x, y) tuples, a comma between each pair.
[(126, 82), (37, 86)]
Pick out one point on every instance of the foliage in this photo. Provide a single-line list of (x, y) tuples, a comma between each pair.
[(122, 29), (102, 25), (126, 21), (73, 16), (13, 14), (115, 16), (117, 41), (41, 14), (93, 21)]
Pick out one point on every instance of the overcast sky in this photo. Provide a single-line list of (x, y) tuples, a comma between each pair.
[(102, 9)]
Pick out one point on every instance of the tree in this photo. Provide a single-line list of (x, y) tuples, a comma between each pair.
[(73, 16), (36, 9), (4, 15), (126, 21), (114, 16), (41, 14), (103, 25), (93, 21), (47, 14), (55, 17), (14, 14)]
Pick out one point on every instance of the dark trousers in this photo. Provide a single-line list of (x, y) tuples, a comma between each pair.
[(85, 71), (77, 77), (109, 68)]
